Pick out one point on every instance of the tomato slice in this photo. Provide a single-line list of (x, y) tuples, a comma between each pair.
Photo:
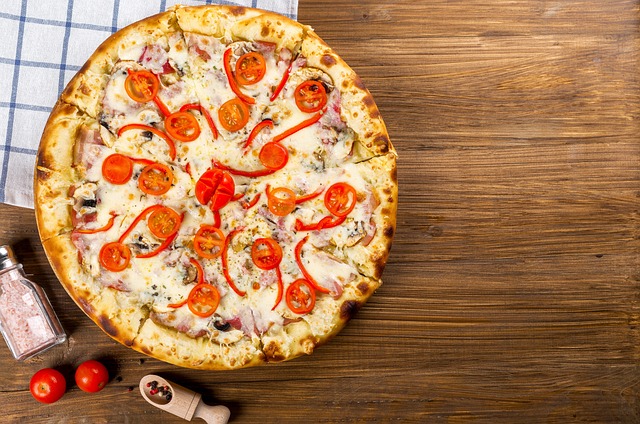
[(117, 169), (182, 126), (281, 201), (215, 186), (250, 68), (301, 297), (164, 222), (233, 115), (115, 256), (266, 253), (141, 86), (274, 156), (203, 300), (310, 96), (155, 179), (340, 199), (209, 242)]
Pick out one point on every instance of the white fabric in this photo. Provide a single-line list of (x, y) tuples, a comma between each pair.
[(44, 43)]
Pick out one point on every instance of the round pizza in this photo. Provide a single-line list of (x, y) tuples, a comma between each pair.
[(216, 188)]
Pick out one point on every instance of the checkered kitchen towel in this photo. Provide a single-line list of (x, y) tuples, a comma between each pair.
[(44, 43)]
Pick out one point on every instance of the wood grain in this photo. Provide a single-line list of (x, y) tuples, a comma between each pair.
[(512, 292)]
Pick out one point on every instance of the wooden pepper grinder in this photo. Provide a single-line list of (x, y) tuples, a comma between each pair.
[(179, 401)]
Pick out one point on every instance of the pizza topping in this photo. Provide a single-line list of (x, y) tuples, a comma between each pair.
[(250, 68), (225, 262), (302, 125), (310, 279), (165, 137), (233, 115), (182, 126), (215, 186), (205, 113), (203, 300), (310, 96), (209, 242), (164, 222), (242, 173), (266, 253), (142, 86), (117, 169), (251, 203), (281, 201), (226, 59), (274, 156), (301, 297), (283, 82), (137, 220), (199, 271), (155, 58), (114, 256), (340, 199), (155, 179), (164, 110), (255, 131), (324, 223), (166, 243), (101, 229)]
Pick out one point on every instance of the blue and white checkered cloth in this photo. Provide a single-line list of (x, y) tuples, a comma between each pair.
[(44, 43)]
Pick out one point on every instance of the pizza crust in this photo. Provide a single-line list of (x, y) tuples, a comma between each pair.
[(121, 315)]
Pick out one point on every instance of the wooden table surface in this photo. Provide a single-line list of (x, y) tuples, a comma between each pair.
[(512, 293)]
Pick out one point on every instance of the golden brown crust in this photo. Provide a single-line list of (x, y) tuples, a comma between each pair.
[(121, 314)]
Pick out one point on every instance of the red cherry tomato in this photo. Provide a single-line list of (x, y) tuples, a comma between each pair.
[(340, 199), (47, 385), (155, 179), (301, 297), (115, 256), (250, 68), (310, 96), (266, 253), (215, 186), (164, 222), (281, 201), (274, 156), (203, 300), (182, 126), (92, 376), (117, 168), (209, 241), (233, 115), (141, 86)]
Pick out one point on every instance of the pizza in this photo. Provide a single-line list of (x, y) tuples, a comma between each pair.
[(216, 188)]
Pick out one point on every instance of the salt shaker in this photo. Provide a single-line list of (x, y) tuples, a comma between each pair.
[(27, 321)]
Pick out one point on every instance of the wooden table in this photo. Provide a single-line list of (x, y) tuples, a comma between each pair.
[(512, 293)]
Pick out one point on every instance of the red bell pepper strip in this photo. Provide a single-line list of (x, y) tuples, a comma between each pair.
[(304, 124), (160, 248), (255, 131), (163, 108), (252, 203), (280, 288), (216, 219), (298, 253), (138, 218), (205, 113), (225, 263), (302, 199), (165, 137), (326, 222), (258, 173), (199, 270), (283, 81), (226, 59), (101, 229)]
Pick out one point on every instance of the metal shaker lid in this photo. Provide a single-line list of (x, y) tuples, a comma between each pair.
[(7, 257)]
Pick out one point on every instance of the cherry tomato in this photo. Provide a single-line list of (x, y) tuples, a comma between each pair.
[(209, 242), (266, 253), (310, 96), (203, 300), (164, 222), (274, 156), (141, 86), (155, 179), (301, 297), (215, 186), (115, 256), (47, 385), (182, 126), (91, 376), (281, 201), (250, 68), (233, 115), (340, 199), (117, 168)]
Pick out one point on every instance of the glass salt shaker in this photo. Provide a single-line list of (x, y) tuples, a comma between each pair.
[(27, 321)]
